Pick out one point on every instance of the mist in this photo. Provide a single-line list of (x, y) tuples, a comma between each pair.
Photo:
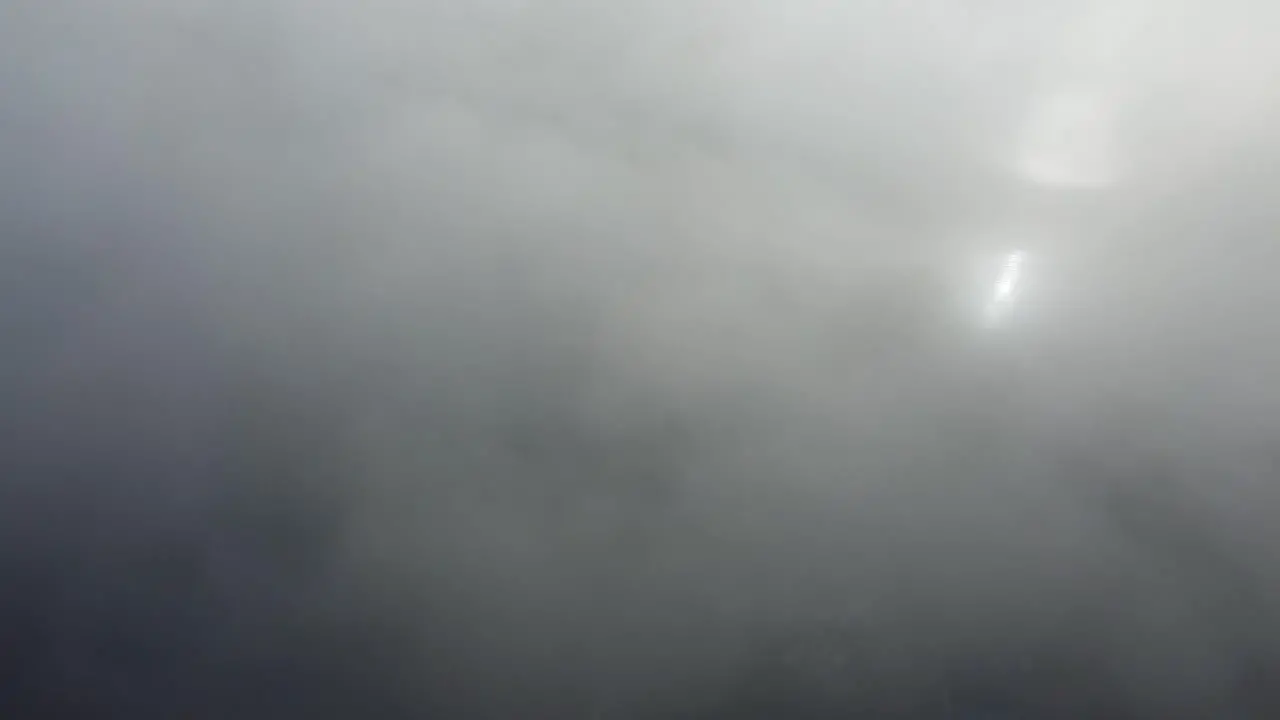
[(556, 359)]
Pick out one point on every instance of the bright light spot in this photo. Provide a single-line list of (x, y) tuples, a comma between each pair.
[(1006, 287), (1009, 274)]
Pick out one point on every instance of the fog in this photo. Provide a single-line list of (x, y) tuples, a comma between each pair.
[(558, 359)]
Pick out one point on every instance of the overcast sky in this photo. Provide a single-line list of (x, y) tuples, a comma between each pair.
[(710, 359)]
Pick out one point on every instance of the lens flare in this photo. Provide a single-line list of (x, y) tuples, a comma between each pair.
[(1006, 287)]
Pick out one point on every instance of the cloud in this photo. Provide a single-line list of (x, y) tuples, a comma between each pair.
[(560, 359)]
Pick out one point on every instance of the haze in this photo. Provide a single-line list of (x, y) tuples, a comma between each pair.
[(705, 359)]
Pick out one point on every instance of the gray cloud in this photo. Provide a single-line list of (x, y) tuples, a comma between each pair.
[(550, 359)]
